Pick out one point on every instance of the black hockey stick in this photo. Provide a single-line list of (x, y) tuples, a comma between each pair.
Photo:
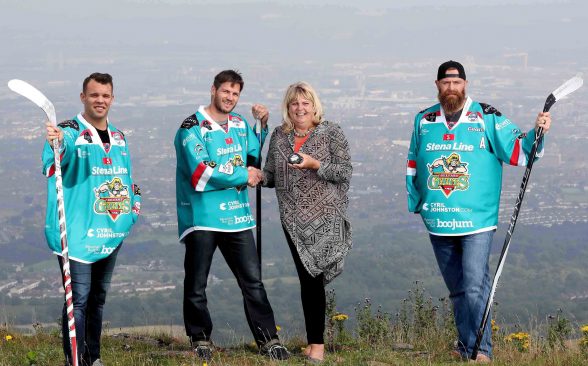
[(258, 198), (565, 89)]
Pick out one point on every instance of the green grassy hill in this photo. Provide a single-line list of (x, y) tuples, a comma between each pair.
[(377, 347), (421, 333)]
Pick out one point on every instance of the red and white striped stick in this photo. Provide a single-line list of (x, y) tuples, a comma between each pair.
[(34, 95), (71, 323)]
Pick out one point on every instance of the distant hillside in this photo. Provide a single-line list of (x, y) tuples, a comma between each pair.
[(545, 271)]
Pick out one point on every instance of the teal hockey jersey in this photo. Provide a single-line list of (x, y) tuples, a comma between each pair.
[(101, 202), (211, 173), (454, 171)]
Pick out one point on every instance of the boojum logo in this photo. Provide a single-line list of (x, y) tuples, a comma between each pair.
[(243, 219), (112, 199), (107, 250), (454, 224), (448, 174)]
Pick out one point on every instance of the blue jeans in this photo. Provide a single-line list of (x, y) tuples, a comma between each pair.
[(463, 261), (240, 253), (89, 282)]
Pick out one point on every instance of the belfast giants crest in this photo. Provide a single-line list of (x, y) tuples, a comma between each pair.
[(448, 174), (112, 199)]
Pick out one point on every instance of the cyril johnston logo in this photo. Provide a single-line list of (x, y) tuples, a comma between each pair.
[(112, 199), (448, 174)]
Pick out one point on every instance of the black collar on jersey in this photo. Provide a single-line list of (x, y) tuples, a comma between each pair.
[(454, 117), (104, 136)]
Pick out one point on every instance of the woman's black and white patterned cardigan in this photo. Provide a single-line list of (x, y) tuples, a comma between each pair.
[(313, 204)]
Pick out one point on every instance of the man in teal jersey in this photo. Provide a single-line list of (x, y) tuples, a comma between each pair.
[(216, 153), (454, 179), (101, 205)]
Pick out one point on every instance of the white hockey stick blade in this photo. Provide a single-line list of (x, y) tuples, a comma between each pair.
[(34, 95), (258, 127), (568, 87)]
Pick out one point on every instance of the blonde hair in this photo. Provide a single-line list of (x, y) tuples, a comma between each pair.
[(453, 157), (113, 182), (304, 90)]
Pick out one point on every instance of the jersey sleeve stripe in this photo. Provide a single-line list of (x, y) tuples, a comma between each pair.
[(411, 167), (51, 170), (518, 155), (201, 176)]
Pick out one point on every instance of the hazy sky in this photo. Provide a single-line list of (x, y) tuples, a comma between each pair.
[(224, 32), (296, 29)]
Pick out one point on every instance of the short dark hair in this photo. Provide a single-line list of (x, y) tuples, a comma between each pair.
[(231, 76), (99, 78)]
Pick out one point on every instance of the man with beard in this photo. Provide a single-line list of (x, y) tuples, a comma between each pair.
[(459, 207), (216, 153)]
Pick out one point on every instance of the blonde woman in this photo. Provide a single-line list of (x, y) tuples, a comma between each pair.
[(309, 165)]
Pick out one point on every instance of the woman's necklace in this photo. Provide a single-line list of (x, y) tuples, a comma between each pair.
[(303, 134)]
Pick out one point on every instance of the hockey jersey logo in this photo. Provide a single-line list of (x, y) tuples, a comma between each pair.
[(237, 160), (448, 174), (87, 134), (71, 124), (84, 138), (488, 109), (207, 125), (112, 199), (118, 138), (474, 116), (189, 122), (431, 117), (235, 121)]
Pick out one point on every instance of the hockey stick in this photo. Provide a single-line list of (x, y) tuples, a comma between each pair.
[(565, 89), (31, 93), (258, 197)]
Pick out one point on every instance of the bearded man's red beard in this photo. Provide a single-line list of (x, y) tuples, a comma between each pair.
[(452, 100)]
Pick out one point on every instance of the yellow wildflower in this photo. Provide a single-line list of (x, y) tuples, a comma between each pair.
[(521, 340), (278, 328), (495, 327), (584, 329), (340, 317), (8, 337)]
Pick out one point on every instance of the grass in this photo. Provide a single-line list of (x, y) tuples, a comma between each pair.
[(45, 349), (421, 333)]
